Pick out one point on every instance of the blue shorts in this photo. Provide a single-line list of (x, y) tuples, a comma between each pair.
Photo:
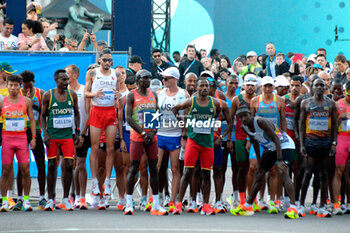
[(252, 154), (169, 143), (126, 137), (218, 155)]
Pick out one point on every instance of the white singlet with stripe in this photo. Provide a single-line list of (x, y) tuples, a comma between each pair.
[(166, 103), (264, 139), (81, 105), (108, 84)]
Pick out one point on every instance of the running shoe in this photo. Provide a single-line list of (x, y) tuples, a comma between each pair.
[(218, 207), (5, 207), (230, 200), (192, 207), (278, 205), (95, 189), (83, 205), (256, 207), (262, 204), (106, 198), (178, 208), (149, 206), (166, 201), (42, 204), (121, 204), (95, 201), (49, 206), (129, 210), (11, 202), (76, 204), (323, 213), (243, 210), (171, 207), (207, 210), (285, 204), (71, 199), (337, 209), (291, 213), (344, 208), (26, 206), (159, 211), (272, 208), (18, 206), (143, 204), (107, 188), (347, 208), (65, 204), (102, 204), (235, 210), (301, 211), (59, 206), (313, 209)]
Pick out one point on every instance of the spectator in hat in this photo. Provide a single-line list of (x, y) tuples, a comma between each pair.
[(5, 70), (253, 64), (156, 85), (135, 64), (33, 9), (157, 64)]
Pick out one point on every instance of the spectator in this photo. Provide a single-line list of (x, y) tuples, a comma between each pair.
[(204, 53), (7, 40), (321, 60), (333, 73), (101, 45), (311, 60), (342, 65), (324, 52), (206, 63), (281, 65), (253, 64), (177, 58), (33, 9), (214, 53), (135, 64), (158, 65), (30, 38), (225, 63), (49, 39), (1, 23), (190, 64), (96, 45), (271, 60), (166, 58)]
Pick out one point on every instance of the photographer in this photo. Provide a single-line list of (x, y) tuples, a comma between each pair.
[(85, 39), (31, 38)]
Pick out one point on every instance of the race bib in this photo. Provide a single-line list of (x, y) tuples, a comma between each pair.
[(318, 124), (36, 115), (201, 128), (290, 123), (345, 125), (15, 124), (62, 121)]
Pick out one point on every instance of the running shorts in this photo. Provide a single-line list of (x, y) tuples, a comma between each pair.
[(101, 117), (218, 156), (343, 147), (193, 151), (241, 152), (15, 144), (169, 143), (137, 149), (66, 145), (269, 159)]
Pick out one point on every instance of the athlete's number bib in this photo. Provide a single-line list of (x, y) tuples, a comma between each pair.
[(318, 124), (15, 124), (36, 115), (202, 128), (108, 98), (62, 121), (289, 122), (345, 125)]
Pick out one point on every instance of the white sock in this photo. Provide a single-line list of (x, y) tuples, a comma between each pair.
[(42, 197), (65, 199), (155, 202), (236, 195), (20, 198), (198, 196), (107, 181), (95, 180), (9, 193), (77, 197), (129, 200)]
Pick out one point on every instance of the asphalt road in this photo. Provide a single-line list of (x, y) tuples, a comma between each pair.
[(113, 220)]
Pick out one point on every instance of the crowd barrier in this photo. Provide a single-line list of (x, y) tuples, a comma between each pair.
[(43, 65)]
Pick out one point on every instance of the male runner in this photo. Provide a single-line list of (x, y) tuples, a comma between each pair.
[(318, 134), (138, 102), (200, 141), (101, 88), (242, 155), (169, 135), (15, 109), (57, 123), (343, 145), (80, 173), (35, 94), (278, 147)]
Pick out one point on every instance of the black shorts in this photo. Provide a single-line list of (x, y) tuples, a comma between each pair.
[(1, 124), (103, 145), (318, 148), (39, 151), (269, 159), (82, 151)]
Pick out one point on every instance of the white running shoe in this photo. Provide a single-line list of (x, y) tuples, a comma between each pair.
[(301, 211), (106, 201), (95, 189), (143, 204), (219, 208), (192, 207), (67, 206), (107, 188), (102, 204), (166, 201), (95, 201), (121, 204), (76, 204), (313, 209), (50, 206), (262, 204), (5, 207), (26, 206), (129, 210)]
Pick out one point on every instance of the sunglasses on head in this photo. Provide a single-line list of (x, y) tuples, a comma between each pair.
[(107, 59)]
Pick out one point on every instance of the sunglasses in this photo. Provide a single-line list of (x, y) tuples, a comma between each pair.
[(166, 79), (156, 56), (107, 59)]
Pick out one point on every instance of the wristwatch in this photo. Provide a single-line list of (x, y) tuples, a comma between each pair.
[(334, 143), (143, 133)]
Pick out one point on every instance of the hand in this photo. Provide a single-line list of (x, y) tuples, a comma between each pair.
[(281, 165), (53, 26), (333, 150), (47, 140), (183, 143), (86, 36), (33, 143), (303, 151), (117, 94), (123, 146), (247, 146), (76, 139), (93, 37), (36, 40), (81, 141), (99, 94), (56, 38), (217, 142)]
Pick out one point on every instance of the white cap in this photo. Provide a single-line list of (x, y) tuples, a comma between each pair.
[(207, 73), (252, 54), (250, 79), (267, 80), (280, 80), (156, 84), (171, 72), (312, 57)]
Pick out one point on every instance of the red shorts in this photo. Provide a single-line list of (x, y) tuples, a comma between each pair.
[(193, 151), (12, 144), (67, 148), (137, 149), (101, 117), (342, 153)]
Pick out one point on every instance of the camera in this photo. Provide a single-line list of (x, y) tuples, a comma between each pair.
[(62, 39)]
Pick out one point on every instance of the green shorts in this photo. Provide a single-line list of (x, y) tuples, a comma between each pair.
[(241, 152), (295, 155)]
